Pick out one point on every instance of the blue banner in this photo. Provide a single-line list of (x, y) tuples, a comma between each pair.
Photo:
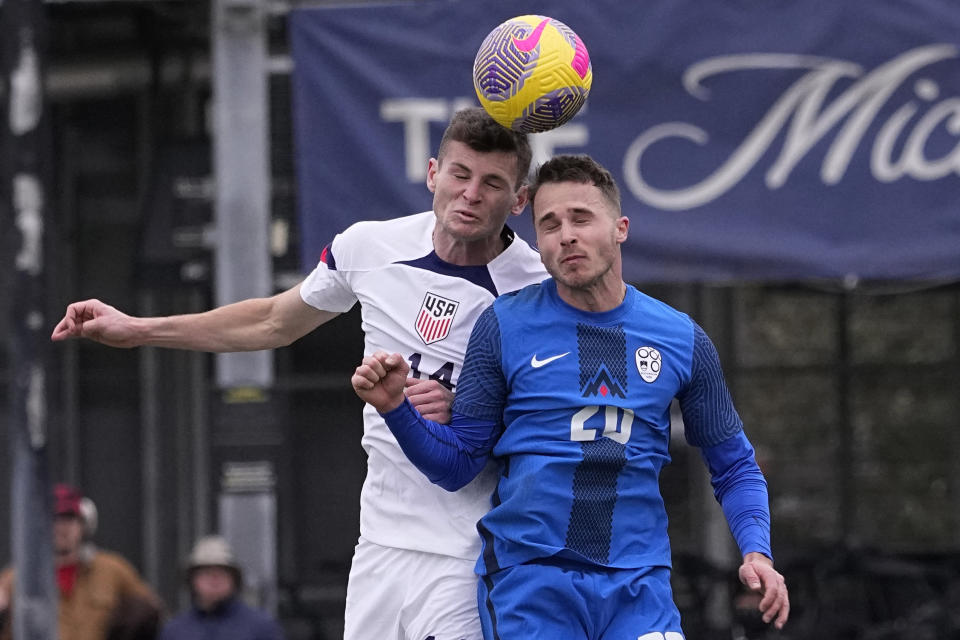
[(793, 140)]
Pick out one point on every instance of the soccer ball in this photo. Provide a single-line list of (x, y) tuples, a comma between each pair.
[(532, 73)]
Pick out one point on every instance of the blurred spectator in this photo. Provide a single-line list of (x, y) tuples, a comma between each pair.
[(217, 611), (102, 597)]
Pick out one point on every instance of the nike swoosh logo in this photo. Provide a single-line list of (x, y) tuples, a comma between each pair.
[(536, 364), (581, 59), (531, 41)]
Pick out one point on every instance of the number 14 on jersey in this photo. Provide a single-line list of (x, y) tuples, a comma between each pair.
[(443, 375)]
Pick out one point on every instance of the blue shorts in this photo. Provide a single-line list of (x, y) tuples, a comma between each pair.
[(568, 601)]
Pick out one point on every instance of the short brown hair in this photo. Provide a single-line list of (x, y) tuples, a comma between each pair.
[(476, 129), (576, 168)]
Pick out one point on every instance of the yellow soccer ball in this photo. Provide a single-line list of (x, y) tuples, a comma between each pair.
[(532, 73)]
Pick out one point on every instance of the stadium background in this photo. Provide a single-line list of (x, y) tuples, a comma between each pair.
[(848, 389)]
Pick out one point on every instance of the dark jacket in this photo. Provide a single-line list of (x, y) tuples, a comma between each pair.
[(232, 620)]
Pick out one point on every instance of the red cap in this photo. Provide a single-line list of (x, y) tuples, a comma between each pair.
[(66, 500)]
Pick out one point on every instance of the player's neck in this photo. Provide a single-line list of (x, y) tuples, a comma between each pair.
[(602, 295), (467, 253)]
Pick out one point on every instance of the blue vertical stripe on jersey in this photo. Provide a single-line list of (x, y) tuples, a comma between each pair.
[(489, 555), (590, 528), (488, 583), (490, 562), (602, 349), (602, 353)]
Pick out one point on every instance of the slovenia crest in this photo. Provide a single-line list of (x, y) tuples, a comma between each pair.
[(649, 361)]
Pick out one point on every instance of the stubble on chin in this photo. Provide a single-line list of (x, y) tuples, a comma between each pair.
[(575, 278)]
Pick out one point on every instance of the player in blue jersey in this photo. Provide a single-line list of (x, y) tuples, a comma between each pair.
[(567, 385)]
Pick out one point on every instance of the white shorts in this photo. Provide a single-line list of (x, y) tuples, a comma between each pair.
[(399, 594)]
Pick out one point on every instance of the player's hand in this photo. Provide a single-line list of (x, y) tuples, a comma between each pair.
[(759, 576), (380, 379), (96, 321), (430, 398)]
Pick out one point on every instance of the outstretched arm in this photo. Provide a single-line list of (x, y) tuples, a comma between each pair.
[(249, 325)]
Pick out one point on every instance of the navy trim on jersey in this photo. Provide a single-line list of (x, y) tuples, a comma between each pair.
[(490, 562), (326, 257), (477, 274), (491, 611), (489, 555)]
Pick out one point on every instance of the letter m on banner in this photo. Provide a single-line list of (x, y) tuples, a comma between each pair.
[(435, 317)]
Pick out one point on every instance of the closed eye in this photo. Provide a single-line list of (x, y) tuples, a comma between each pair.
[(583, 220)]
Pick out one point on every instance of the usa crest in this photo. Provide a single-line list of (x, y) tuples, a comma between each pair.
[(435, 317)]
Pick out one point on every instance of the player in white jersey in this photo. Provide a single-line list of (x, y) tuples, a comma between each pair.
[(421, 281)]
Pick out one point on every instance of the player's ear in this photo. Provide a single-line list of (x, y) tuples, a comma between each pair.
[(433, 166), (522, 197), (623, 225)]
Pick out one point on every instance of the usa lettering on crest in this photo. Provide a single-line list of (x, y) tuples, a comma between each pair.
[(435, 317)]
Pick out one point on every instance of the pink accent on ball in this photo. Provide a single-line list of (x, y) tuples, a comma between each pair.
[(581, 58), (531, 41)]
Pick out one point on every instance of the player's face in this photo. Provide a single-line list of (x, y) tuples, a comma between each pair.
[(474, 192), (579, 234)]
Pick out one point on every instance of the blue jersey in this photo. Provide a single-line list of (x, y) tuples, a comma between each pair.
[(583, 400), (575, 409)]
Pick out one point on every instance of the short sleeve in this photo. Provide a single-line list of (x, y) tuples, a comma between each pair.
[(328, 287)]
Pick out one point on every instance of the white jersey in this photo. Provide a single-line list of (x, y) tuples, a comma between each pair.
[(415, 304)]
